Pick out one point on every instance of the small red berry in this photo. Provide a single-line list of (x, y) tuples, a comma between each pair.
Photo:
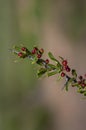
[(34, 51), (38, 55), (67, 69), (62, 74), (47, 61), (64, 62), (20, 54), (80, 77), (42, 50), (23, 48)]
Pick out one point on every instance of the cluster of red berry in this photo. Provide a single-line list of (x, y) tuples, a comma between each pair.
[(65, 67), (82, 81), (23, 52), (35, 51), (39, 53)]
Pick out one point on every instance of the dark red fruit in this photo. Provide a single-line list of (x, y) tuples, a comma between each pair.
[(80, 77), (34, 51), (39, 55), (67, 69), (62, 74), (47, 61), (64, 62), (20, 54), (23, 48)]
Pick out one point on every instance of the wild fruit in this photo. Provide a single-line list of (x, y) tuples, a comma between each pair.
[(67, 69), (62, 74), (20, 54), (64, 62), (47, 61), (23, 48), (39, 56)]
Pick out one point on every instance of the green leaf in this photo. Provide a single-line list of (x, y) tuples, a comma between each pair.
[(34, 60), (16, 48), (85, 93), (52, 57), (81, 91), (52, 73), (68, 82), (41, 72), (74, 73), (75, 84), (59, 68), (52, 66), (66, 86), (61, 58)]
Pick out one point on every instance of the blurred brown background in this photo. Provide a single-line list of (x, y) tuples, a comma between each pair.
[(27, 103)]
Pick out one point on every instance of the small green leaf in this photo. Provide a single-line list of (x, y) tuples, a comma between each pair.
[(68, 83), (75, 84), (16, 48), (81, 91), (61, 58), (66, 86), (59, 68), (41, 72), (85, 93), (52, 57), (52, 73), (74, 73), (52, 66), (34, 60)]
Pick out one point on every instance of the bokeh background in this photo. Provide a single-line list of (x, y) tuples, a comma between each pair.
[(27, 103)]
